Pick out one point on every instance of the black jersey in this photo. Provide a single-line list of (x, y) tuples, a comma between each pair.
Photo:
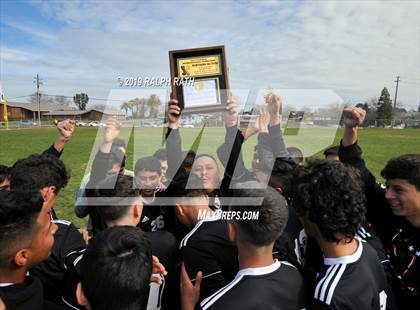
[(278, 286), (163, 296), (25, 296), (355, 281), (68, 245), (156, 216), (400, 238), (291, 245), (207, 248), (165, 248)]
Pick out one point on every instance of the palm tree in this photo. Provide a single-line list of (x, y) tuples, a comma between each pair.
[(81, 100)]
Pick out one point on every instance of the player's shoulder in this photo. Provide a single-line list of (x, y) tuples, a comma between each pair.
[(212, 231), (254, 288)]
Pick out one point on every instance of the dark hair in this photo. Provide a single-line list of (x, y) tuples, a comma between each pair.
[(406, 167), (149, 163), (4, 173), (333, 150), (161, 154), (282, 176), (18, 215), (330, 194), (38, 171), (118, 193), (186, 185), (272, 218), (116, 268), (296, 154)]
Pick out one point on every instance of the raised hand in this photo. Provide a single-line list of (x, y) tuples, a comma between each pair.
[(66, 128), (232, 112), (174, 113), (263, 120), (273, 102), (353, 117)]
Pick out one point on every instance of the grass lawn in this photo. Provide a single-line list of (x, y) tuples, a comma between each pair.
[(379, 145)]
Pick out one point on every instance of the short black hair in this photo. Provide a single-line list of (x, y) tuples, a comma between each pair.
[(282, 176), (332, 150), (330, 194), (115, 269), (161, 154), (186, 185), (38, 171), (272, 218), (120, 191), (296, 154), (148, 163), (406, 167), (18, 214), (4, 173)]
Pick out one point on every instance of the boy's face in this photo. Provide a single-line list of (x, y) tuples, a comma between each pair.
[(403, 197), (43, 238), (148, 181)]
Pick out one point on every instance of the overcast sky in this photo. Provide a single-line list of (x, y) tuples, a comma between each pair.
[(352, 48)]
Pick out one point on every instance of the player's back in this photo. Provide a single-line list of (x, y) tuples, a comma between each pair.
[(278, 286)]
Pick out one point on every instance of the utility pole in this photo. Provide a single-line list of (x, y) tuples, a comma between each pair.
[(396, 91), (38, 97)]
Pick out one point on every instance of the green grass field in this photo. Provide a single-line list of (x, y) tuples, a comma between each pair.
[(379, 145)]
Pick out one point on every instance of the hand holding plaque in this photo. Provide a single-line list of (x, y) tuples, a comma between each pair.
[(199, 79)]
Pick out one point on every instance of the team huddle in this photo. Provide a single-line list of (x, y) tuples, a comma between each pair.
[(323, 233)]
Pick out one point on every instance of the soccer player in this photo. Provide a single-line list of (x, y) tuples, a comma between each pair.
[(115, 270), (148, 173), (48, 175), (330, 201), (123, 206), (26, 239), (262, 282), (394, 211), (206, 247)]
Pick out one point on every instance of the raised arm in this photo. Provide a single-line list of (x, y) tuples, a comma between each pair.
[(173, 139), (278, 146), (65, 129), (230, 152)]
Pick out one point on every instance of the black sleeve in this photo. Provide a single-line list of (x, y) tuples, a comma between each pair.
[(173, 151), (196, 260), (378, 210), (265, 152), (99, 168), (73, 245), (352, 155), (277, 142), (52, 151), (230, 155), (319, 305)]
